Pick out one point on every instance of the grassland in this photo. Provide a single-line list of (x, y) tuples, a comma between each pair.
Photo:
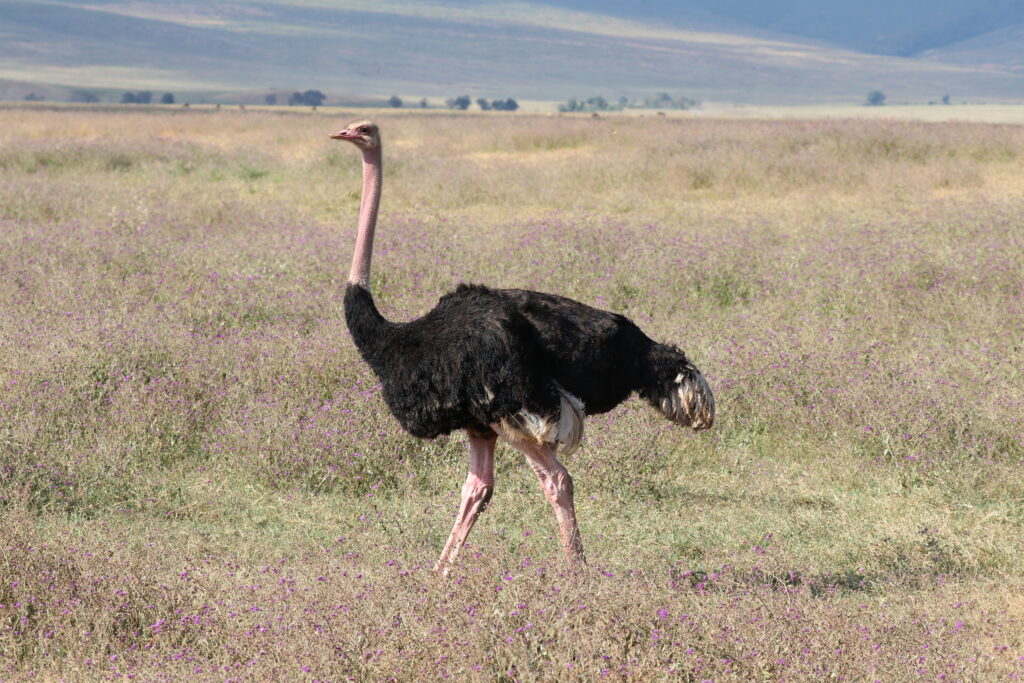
[(198, 477), (960, 113)]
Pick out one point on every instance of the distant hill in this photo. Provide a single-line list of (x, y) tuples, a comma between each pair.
[(1002, 49), (892, 27), (732, 50)]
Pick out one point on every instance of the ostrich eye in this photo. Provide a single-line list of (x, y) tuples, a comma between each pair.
[(364, 130)]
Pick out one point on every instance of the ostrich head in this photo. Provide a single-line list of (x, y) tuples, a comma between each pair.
[(362, 134)]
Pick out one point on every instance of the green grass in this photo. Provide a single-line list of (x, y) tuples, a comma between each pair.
[(197, 470)]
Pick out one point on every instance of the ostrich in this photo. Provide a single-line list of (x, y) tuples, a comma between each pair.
[(511, 363)]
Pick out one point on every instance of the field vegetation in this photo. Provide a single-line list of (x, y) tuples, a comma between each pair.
[(199, 479)]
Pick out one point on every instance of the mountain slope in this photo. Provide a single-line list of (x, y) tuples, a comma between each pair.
[(1002, 48), (878, 26), (444, 48)]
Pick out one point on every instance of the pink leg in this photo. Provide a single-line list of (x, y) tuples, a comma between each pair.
[(557, 485), (475, 494)]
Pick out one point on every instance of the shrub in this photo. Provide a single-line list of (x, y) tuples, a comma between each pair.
[(876, 98), (461, 102)]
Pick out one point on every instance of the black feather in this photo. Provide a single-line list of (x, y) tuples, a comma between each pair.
[(482, 355)]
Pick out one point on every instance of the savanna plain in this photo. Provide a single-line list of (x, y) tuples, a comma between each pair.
[(199, 478)]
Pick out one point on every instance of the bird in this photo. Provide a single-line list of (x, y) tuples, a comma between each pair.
[(518, 365)]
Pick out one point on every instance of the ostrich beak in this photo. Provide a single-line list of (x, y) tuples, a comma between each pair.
[(343, 135)]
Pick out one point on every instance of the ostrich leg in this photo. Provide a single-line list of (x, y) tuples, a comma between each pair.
[(557, 485), (475, 494)]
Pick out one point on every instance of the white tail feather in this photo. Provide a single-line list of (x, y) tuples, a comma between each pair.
[(566, 431)]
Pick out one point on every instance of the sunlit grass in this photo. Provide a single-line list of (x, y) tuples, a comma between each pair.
[(198, 477)]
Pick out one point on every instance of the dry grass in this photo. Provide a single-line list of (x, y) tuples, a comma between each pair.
[(198, 477)]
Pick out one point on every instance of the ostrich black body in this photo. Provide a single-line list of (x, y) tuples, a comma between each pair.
[(482, 355)]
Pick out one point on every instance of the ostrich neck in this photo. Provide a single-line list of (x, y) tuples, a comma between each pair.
[(373, 179)]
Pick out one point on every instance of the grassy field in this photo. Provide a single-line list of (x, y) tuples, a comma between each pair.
[(976, 113), (199, 479)]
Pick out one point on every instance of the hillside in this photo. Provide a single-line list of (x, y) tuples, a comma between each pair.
[(1001, 48), (875, 26), (442, 49)]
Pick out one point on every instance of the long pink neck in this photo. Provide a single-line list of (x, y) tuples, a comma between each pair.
[(373, 179)]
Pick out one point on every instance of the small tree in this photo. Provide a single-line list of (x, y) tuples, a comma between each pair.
[(571, 105), (661, 100), (167, 98), (423, 103), (395, 101), (461, 102), (876, 98), (483, 104), (313, 98), (270, 99), (945, 99), (685, 102), (83, 96), (294, 99), (505, 105), (128, 98)]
